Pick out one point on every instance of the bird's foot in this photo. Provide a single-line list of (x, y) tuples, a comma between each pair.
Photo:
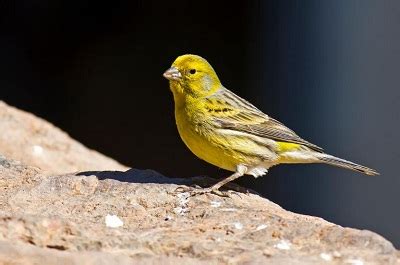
[(195, 191)]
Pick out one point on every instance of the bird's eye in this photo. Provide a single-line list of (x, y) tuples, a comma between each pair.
[(192, 71)]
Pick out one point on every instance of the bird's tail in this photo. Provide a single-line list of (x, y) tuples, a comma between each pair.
[(335, 161)]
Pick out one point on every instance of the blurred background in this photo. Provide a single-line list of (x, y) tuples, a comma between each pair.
[(330, 70)]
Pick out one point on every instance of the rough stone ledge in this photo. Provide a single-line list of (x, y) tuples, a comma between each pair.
[(51, 218)]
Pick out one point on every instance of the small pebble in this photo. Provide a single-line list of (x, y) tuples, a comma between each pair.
[(238, 225), (113, 221), (283, 244), (326, 256), (37, 150), (261, 227), (215, 204)]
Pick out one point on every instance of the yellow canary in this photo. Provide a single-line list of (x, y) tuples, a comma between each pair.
[(227, 131)]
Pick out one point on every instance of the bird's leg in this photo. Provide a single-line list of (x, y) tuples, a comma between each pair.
[(240, 170)]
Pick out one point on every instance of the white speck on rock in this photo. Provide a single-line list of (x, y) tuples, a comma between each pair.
[(238, 225), (183, 199), (37, 150), (168, 217), (113, 221), (283, 244), (354, 262), (216, 204), (180, 210), (261, 227), (326, 256)]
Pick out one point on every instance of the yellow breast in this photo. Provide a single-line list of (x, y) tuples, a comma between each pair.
[(204, 145)]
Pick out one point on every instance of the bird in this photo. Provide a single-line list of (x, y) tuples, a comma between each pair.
[(229, 132)]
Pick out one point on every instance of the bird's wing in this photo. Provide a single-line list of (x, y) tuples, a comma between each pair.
[(229, 111)]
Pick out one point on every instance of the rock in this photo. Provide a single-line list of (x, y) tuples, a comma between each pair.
[(48, 219), (107, 214), (36, 142), (17, 253)]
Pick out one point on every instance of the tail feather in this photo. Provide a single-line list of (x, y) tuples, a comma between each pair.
[(335, 161)]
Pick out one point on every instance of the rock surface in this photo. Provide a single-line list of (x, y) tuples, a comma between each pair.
[(52, 217), (38, 143), (136, 217)]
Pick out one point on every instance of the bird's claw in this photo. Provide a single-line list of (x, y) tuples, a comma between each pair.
[(195, 191), (183, 189)]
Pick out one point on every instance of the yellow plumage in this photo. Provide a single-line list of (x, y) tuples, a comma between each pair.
[(229, 132)]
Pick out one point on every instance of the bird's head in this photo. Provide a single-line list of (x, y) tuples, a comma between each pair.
[(192, 75)]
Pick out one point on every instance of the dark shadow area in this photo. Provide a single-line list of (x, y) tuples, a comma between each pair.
[(134, 175)]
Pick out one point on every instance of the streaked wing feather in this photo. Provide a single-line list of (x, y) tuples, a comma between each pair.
[(251, 120), (270, 130)]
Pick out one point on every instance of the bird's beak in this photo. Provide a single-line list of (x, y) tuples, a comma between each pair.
[(172, 74)]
